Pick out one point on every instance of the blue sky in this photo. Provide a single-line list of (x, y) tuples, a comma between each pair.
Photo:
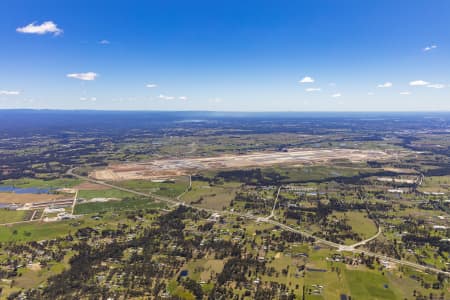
[(225, 55)]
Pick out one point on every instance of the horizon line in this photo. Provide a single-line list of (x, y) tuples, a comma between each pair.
[(226, 111)]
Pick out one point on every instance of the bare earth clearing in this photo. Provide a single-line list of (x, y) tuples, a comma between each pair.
[(28, 198), (164, 168), (89, 186)]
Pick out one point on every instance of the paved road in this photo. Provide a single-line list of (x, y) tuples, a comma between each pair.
[(272, 213), (351, 248), (74, 203), (187, 189), (363, 242)]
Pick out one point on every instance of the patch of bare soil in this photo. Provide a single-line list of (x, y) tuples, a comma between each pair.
[(89, 186), (164, 168), (28, 198)]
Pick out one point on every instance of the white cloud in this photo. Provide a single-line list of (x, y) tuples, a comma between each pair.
[(436, 86), (429, 48), (370, 93), (46, 27), (385, 85), (405, 93), (104, 42), (87, 99), (151, 85), (182, 98), (313, 89), (164, 97), (307, 79), (418, 83), (9, 93), (337, 95), (89, 76)]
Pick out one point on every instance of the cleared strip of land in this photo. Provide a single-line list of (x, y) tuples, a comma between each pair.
[(164, 168), (29, 198)]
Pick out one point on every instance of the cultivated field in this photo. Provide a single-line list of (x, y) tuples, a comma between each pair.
[(164, 168)]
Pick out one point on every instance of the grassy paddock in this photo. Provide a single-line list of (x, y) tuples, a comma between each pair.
[(10, 216), (109, 193), (168, 189), (40, 183), (126, 204), (359, 222), (211, 196)]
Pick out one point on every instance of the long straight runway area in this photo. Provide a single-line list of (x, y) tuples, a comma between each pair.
[(164, 168)]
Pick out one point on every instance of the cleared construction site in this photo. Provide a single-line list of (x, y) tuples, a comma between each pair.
[(166, 168)]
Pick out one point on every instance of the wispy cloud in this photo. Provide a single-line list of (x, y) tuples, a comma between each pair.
[(385, 85), (337, 95), (151, 85), (307, 79), (182, 98), (436, 86), (418, 83), (88, 76), (9, 93), (429, 48), (405, 93), (104, 42), (313, 90), (93, 99), (44, 28), (370, 94), (165, 97)]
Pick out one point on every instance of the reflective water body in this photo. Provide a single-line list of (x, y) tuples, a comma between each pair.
[(30, 190)]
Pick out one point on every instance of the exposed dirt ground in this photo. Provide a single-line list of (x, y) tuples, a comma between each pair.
[(89, 186), (28, 198), (164, 168)]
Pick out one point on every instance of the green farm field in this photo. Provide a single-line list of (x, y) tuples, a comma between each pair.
[(127, 204), (211, 196)]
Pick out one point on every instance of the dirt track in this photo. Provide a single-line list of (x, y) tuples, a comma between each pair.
[(165, 168)]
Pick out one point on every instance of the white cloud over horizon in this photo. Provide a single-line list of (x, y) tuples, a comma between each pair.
[(44, 28), (429, 48), (313, 90), (418, 83), (436, 86), (165, 97), (427, 84), (336, 95), (88, 76), (307, 79), (385, 85), (405, 93), (151, 85), (93, 99), (9, 93)]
